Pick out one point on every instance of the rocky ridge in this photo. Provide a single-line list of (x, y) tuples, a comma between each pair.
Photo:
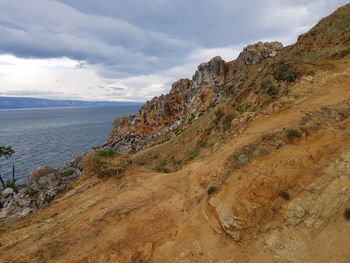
[(187, 98)]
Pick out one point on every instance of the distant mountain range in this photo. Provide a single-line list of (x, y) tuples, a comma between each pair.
[(23, 102)]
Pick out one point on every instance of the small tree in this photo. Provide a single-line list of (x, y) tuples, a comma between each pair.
[(5, 152)]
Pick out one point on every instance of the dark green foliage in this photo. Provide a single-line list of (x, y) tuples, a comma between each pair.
[(293, 133), (219, 113), (240, 109), (227, 121), (212, 105), (106, 153), (49, 199), (344, 52), (6, 152), (67, 173), (269, 88), (285, 72), (211, 190), (285, 195), (10, 184), (347, 214)]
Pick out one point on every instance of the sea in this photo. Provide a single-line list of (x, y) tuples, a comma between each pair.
[(53, 136)]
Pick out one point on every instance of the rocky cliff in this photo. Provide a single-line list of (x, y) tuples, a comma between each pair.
[(214, 82), (247, 162)]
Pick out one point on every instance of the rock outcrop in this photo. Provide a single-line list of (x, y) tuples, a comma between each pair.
[(186, 98), (44, 184), (254, 54)]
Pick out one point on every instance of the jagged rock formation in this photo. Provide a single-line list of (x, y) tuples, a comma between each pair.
[(254, 54), (186, 97)]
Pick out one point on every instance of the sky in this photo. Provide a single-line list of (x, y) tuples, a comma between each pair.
[(134, 50)]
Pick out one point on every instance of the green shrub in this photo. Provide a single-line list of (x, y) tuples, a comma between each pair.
[(293, 133), (106, 153), (347, 214), (285, 72), (344, 52), (67, 173), (269, 88), (10, 184), (211, 190), (272, 91), (212, 105), (285, 195), (227, 121), (239, 109), (49, 199)]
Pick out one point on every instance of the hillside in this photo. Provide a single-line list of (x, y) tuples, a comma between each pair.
[(23, 103), (248, 161)]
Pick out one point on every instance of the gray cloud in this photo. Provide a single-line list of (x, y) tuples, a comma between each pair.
[(143, 46), (32, 93), (115, 94), (47, 29), (210, 23), (116, 88), (29, 93), (108, 88)]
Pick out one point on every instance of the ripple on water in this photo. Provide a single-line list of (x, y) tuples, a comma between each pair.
[(53, 136)]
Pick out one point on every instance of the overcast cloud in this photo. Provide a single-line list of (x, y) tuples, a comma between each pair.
[(133, 50)]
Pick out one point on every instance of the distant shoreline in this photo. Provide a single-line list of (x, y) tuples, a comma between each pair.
[(11, 103), (70, 107)]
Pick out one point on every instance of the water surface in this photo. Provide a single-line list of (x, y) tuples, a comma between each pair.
[(53, 136)]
